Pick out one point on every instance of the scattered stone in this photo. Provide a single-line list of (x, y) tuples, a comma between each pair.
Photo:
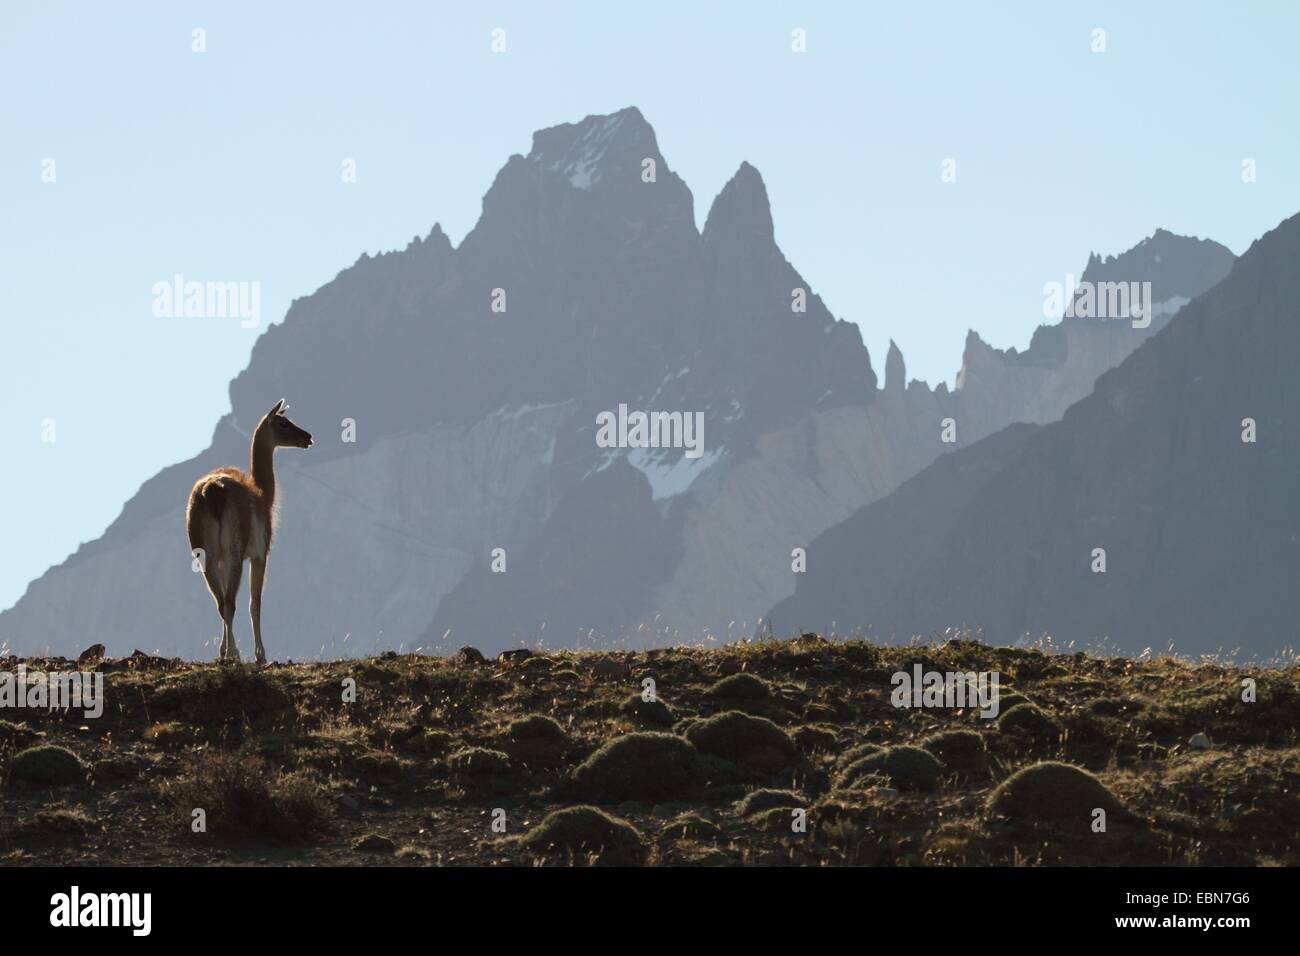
[(587, 830), (94, 652), (1051, 791), (139, 660), (1200, 741), (516, 656), (468, 655)]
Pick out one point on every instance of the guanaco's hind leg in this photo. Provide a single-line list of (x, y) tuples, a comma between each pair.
[(256, 577), (205, 545), (212, 574), (233, 570)]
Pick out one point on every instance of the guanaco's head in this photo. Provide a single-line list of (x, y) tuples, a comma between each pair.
[(283, 433)]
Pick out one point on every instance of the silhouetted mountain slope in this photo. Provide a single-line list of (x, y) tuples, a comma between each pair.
[(1201, 531)]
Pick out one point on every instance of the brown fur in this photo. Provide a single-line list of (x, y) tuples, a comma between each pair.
[(231, 518)]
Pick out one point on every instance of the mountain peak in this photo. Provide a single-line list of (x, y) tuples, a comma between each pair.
[(895, 369), (585, 152), (741, 207), (1177, 266)]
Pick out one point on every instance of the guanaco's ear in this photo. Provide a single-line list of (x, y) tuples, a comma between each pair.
[(277, 408)]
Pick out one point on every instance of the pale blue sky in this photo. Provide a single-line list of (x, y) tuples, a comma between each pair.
[(226, 166)]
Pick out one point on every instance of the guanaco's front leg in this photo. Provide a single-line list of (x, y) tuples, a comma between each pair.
[(257, 576)]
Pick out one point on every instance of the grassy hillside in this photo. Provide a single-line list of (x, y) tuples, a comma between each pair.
[(740, 746)]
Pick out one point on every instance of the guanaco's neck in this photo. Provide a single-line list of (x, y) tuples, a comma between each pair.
[(263, 469)]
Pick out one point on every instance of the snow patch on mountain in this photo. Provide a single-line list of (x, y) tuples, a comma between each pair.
[(669, 473), (580, 164)]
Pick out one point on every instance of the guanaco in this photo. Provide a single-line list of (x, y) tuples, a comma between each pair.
[(231, 518)]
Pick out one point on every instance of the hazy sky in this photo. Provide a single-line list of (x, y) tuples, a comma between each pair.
[(226, 165)]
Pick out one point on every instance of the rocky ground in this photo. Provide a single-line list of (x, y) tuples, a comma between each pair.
[(772, 752)]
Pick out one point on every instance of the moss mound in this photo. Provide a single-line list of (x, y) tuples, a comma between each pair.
[(906, 768), (760, 800), (587, 830), (536, 727), (741, 687), (960, 751), (536, 739), (1009, 699), (1030, 722), (478, 762), (47, 764), (753, 742), (854, 754), (61, 818), (814, 738), (691, 826), (374, 843), (775, 820), (639, 766), (1051, 791), (647, 713)]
